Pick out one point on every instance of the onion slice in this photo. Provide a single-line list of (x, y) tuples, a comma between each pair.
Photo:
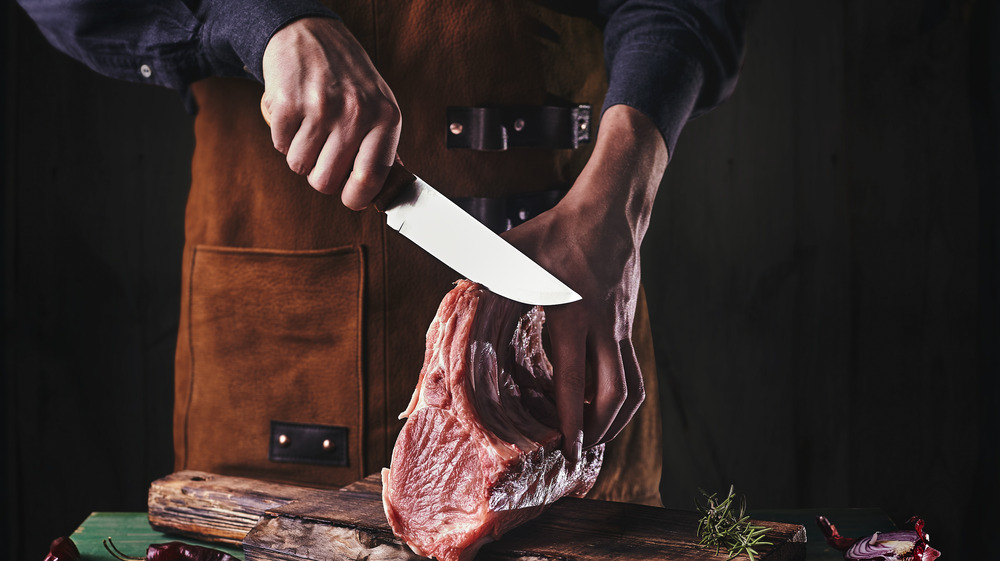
[(902, 545)]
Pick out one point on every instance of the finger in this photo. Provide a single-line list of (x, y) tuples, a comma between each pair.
[(265, 108), (611, 390), (371, 167), (635, 388), (568, 352), (332, 165), (311, 138), (284, 123)]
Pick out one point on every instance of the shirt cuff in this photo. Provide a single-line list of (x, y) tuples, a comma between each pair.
[(237, 32), (663, 83)]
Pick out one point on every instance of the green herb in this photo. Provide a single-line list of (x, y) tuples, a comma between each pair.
[(724, 524)]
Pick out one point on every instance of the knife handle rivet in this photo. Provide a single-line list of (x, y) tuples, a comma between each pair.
[(519, 125), (283, 440), (328, 445), (456, 128)]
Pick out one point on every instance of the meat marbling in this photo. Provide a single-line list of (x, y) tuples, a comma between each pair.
[(478, 454)]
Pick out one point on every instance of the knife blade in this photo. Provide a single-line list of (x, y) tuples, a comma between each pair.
[(440, 227)]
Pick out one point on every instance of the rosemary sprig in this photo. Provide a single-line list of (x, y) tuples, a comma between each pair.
[(724, 524)]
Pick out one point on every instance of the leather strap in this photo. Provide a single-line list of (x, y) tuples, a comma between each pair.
[(503, 213), (308, 444), (518, 126)]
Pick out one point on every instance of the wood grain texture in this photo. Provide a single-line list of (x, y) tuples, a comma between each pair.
[(811, 271), (284, 523), (213, 507)]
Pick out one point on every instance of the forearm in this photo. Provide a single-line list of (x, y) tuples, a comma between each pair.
[(619, 184), (591, 240)]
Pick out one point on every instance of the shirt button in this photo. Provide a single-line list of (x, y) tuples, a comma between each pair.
[(146, 71)]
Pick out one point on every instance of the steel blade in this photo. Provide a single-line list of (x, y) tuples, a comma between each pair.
[(461, 242)]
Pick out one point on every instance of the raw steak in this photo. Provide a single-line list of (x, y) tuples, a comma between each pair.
[(478, 454)]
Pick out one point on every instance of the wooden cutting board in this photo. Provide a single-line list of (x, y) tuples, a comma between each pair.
[(293, 523)]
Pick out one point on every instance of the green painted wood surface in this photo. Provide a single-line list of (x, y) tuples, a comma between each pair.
[(130, 532)]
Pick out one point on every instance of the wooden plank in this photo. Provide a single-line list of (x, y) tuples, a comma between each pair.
[(298, 523), (215, 508), (286, 538)]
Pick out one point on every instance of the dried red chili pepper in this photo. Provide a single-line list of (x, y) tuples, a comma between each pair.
[(833, 537), (63, 549), (172, 551)]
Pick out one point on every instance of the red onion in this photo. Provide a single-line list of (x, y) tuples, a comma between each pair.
[(882, 546)]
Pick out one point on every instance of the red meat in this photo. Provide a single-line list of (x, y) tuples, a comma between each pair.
[(478, 454)]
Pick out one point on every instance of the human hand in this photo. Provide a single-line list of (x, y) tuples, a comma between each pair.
[(591, 241), (331, 113)]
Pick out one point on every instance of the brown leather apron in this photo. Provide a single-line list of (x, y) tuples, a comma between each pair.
[(296, 309)]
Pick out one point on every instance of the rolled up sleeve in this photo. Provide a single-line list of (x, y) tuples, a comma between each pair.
[(672, 59)]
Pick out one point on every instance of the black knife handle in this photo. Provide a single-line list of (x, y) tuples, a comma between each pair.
[(398, 178)]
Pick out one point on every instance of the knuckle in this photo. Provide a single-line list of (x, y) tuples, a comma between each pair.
[(360, 188), (280, 105), (637, 395), (618, 394), (389, 111), (297, 165), (353, 111), (317, 107), (374, 109), (351, 200), (364, 178), (321, 104), (320, 184)]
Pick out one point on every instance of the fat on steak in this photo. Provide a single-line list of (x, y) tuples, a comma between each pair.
[(478, 454)]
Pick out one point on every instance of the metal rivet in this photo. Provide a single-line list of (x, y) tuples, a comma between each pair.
[(283, 440), (455, 128), (519, 125), (328, 445), (146, 71), (583, 125)]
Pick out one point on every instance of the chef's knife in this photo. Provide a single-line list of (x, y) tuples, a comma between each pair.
[(439, 226)]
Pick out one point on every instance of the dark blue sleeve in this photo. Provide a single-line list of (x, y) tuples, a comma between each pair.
[(167, 42), (672, 59)]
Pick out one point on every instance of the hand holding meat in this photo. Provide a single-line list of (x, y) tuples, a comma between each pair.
[(332, 114), (591, 241)]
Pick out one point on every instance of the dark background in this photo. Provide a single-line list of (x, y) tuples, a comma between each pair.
[(821, 272)]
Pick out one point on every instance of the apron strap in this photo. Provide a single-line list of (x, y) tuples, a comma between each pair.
[(518, 126), (503, 213)]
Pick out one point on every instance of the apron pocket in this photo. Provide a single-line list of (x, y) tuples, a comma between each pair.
[(275, 337)]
